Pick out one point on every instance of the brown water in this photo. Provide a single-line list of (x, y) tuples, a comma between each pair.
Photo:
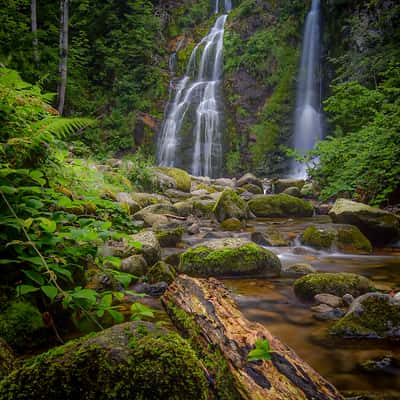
[(273, 303)]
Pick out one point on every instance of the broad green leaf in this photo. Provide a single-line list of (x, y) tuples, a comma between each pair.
[(106, 301), (140, 310), (34, 276), (28, 222), (50, 291), (8, 189), (116, 316), (261, 351), (26, 289), (47, 225)]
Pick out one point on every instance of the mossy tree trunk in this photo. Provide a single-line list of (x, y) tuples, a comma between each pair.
[(219, 324)]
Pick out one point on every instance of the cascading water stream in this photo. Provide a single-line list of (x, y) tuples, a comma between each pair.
[(197, 98), (308, 117)]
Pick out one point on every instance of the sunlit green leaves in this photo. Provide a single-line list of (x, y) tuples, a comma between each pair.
[(262, 351)]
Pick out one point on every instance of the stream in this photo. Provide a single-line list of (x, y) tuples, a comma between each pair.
[(272, 302)]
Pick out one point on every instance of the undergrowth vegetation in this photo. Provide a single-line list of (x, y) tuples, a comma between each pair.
[(57, 211)]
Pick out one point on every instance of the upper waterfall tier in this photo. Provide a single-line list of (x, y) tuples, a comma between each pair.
[(191, 135)]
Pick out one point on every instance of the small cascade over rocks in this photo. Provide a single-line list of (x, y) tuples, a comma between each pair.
[(308, 118), (191, 133)]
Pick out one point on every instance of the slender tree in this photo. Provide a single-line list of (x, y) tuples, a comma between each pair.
[(62, 69), (34, 31)]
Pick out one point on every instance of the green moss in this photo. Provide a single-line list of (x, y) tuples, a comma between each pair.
[(334, 283), (169, 237), (318, 238), (161, 272), (182, 178), (202, 186), (230, 205), (344, 237), (377, 318), (211, 357), (231, 224), (7, 359), (21, 326), (280, 205), (252, 188), (111, 365), (244, 259)]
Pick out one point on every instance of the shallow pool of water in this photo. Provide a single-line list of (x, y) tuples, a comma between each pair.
[(272, 302)]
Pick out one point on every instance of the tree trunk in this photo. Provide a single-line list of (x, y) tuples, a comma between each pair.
[(205, 311), (62, 69), (34, 32)]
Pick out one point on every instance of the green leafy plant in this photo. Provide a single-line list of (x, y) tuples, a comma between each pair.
[(262, 351)]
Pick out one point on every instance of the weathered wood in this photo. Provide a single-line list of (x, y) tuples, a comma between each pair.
[(220, 324)]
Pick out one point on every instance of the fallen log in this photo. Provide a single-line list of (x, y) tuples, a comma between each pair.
[(204, 310)]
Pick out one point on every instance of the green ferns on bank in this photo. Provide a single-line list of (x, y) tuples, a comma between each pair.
[(50, 233)]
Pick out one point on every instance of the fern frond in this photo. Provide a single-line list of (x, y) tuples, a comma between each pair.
[(58, 127)]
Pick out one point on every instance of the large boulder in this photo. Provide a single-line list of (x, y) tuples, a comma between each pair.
[(126, 198), (230, 205), (147, 199), (150, 248), (7, 359), (160, 181), (161, 208), (297, 270), (280, 205), (134, 360), (169, 236), (229, 257), (379, 226), (337, 284), (177, 195), (135, 265), (372, 315), (336, 236), (181, 177), (249, 179), (281, 184), (250, 188), (270, 237)]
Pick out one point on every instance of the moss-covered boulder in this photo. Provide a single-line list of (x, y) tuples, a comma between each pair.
[(126, 198), (249, 187), (169, 237), (7, 359), (128, 361), (203, 207), (249, 179), (280, 205), (147, 199), (379, 226), (270, 237), (309, 190), (22, 327), (372, 315), (297, 270), (292, 191), (181, 177), (338, 284), (231, 224), (230, 205), (184, 208), (161, 272), (342, 237), (150, 247), (229, 257), (135, 265), (281, 184), (161, 209), (177, 195)]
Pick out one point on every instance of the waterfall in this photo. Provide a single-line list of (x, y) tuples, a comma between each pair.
[(308, 117), (191, 132)]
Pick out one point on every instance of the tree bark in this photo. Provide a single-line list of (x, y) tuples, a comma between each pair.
[(62, 69), (220, 325), (34, 32)]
